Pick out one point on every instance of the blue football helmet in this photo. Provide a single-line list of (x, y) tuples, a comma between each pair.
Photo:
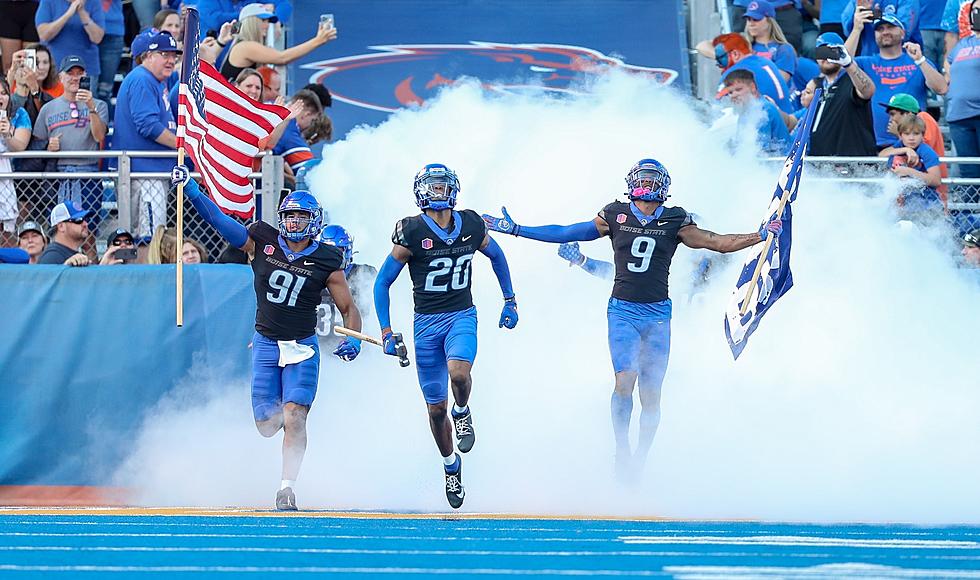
[(426, 182), (304, 201), (334, 235), (656, 177)]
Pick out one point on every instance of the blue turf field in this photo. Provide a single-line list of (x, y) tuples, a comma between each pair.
[(82, 545)]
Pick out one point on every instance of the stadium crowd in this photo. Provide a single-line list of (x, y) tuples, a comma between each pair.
[(891, 73)]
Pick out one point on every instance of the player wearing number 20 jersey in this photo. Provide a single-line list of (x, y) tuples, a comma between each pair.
[(644, 235), (439, 245)]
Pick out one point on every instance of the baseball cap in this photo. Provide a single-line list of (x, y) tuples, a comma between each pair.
[(829, 39), (257, 10), (30, 226), (902, 102), (120, 233), (160, 40), (68, 210), (759, 9), (70, 62), (972, 239), (890, 19)]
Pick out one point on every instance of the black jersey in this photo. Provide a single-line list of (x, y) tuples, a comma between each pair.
[(287, 285), (440, 265), (361, 281), (642, 250)]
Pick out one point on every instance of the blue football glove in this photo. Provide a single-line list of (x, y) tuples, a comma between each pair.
[(349, 348), (773, 226), (570, 251), (508, 316), (503, 225), (388, 343), (179, 175)]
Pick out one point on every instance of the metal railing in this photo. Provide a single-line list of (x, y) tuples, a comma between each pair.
[(120, 197)]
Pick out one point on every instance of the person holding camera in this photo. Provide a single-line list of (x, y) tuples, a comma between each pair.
[(843, 124), (76, 121), (861, 18), (120, 248)]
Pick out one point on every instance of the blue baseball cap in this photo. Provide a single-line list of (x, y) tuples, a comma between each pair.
[(829, 39), (759, 9), (153, 39), (889, 19), (68, 210)]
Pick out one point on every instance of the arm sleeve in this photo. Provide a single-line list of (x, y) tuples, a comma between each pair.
[(580, 232), (500, 267), (382, 301), (13, 256), (234, 232), (144, 106), (599, 268)]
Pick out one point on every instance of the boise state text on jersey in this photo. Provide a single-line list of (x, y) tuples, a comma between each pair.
[(288, 285), (441, 262), (642, 249)]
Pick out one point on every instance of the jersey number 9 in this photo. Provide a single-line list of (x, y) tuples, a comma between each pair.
[(643, 248)]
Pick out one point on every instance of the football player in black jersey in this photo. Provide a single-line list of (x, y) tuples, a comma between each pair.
[(644, 234), (438, 245), (360, 278), (291, 269)]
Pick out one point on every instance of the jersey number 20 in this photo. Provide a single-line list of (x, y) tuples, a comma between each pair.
[(285, 284), (642, 248), (459, 275)]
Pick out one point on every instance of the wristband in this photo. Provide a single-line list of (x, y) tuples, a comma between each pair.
[(221, 44), (920, 61)]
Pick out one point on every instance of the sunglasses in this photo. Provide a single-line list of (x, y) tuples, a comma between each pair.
[(123, 242), (78, 221)]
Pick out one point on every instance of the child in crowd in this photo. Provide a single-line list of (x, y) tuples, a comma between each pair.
[(912, 158)]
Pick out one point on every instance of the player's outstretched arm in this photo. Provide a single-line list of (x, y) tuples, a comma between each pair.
[(490, 249), (234, 232), (694, 237), (350, 347), (580, 232), (387, 275), (597, 268)]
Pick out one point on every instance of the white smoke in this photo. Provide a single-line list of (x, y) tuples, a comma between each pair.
[(855, 400)]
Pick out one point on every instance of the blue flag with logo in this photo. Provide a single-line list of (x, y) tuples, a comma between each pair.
[(751, 300)]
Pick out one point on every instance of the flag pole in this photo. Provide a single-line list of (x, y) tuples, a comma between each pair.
[(180, 244), (765, 252)]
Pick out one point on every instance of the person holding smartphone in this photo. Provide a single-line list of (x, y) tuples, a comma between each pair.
[(76, 121), (120, 248)]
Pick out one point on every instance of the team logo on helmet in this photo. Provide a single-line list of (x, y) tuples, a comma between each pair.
[(416, 72), (269, 250), (427, 244), (621, 218)]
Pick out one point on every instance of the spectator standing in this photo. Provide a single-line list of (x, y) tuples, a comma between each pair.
[(963, 102), (69, 230), (31, 239), (74, 27), (902, 106), (896, 68), (732, 52), (788, 14), (956, 22), (111, 48), (43, 78), (249, 49), (756, 116), (16, 28), (146, 11), (214, 13), (830, 16), (931, 29), (168, 20), (843, 124), (76, 121), (271, 83), (15, 134), (767, 39), (144, 122), (906, 11)]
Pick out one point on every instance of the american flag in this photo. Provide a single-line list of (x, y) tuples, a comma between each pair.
[(220, 127)]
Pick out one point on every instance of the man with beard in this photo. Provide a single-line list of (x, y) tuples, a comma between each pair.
[(843, 124)]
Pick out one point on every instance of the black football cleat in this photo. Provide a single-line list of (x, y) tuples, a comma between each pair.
[(465, 437), (454, 487)]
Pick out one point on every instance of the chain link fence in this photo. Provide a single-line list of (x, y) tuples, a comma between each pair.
[(119, 198)]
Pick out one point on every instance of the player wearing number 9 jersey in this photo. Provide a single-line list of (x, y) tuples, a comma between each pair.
[(438, 245), (644, 235), (291, 269)]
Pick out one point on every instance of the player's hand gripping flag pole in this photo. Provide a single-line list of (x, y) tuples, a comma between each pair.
[(766, 275), (221, 128)]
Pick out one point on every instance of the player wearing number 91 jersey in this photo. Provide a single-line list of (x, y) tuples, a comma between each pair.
[(644, 235), (438, 245)]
